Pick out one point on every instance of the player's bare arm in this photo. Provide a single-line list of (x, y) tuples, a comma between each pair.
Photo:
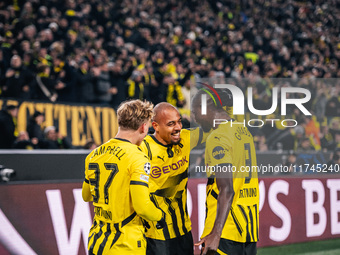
[(224, 201)]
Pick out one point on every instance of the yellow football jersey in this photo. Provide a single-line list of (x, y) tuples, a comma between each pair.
[(110, 169), (168, 182), (116, 175), (232, 145)]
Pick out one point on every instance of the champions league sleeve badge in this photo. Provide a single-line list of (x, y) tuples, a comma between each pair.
[(147, 168)]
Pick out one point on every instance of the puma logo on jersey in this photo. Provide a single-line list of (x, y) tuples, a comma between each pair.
[(162, 158), (218, 138)]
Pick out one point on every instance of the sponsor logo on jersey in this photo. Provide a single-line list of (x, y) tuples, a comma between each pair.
[(219, 152), (156, 171), (147, 168)]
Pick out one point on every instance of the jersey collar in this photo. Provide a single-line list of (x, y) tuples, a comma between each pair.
[(123, 140), (155, 139), (168, 147)]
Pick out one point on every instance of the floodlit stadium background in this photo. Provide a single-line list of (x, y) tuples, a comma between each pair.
[(157, 50)]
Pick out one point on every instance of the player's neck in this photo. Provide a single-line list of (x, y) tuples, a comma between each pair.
[(129, 135), (159, 139)]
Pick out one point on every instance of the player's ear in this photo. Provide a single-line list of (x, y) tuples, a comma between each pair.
[(155, 125), (142, 128)]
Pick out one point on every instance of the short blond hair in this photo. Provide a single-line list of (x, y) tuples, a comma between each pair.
[(132, 114)]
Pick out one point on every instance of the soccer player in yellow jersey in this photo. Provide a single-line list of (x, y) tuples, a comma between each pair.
[(116, 180), (169, 149), (232, 204)]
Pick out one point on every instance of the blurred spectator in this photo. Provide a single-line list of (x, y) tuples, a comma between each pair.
[(17, 80), (305, 145), (120, 73), (84, 83), (149, 79), (8, 126), (174, 94), (187, 90), (90, 145), (334, 163), (326, 138), (290, 161), (30, 30), (312, 131), (3, 66), (72, 43), (260, 141), (23, 142), (136, 89), (334, 127), (43, 87), (41, 56), (34, 127), (320, 105), (288, 139), (335, 144), (102, 82), (333, 107), (63, 73), (53, 140), (169, 42)]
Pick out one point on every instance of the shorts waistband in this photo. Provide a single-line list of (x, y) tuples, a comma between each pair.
[(99, 212)]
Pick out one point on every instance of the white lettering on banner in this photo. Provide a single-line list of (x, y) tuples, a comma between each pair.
[(11, 239), (81, 222), (279, 234), (201, 197), (262, 192), (334, 186), (317, 207)]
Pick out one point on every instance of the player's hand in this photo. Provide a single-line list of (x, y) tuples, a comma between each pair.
[(161, 223), (210, 242)]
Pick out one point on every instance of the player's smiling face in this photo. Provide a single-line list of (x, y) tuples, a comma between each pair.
[(169, 127)]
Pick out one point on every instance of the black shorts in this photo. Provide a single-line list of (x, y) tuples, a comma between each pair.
[(183, 245), (236, 248)]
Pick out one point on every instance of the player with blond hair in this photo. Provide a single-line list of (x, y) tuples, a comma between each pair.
[(116, 180)]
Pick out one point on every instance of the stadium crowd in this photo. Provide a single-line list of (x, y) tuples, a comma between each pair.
[(103, 52)]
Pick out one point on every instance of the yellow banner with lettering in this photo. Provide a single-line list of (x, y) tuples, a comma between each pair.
[(78, 122)]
